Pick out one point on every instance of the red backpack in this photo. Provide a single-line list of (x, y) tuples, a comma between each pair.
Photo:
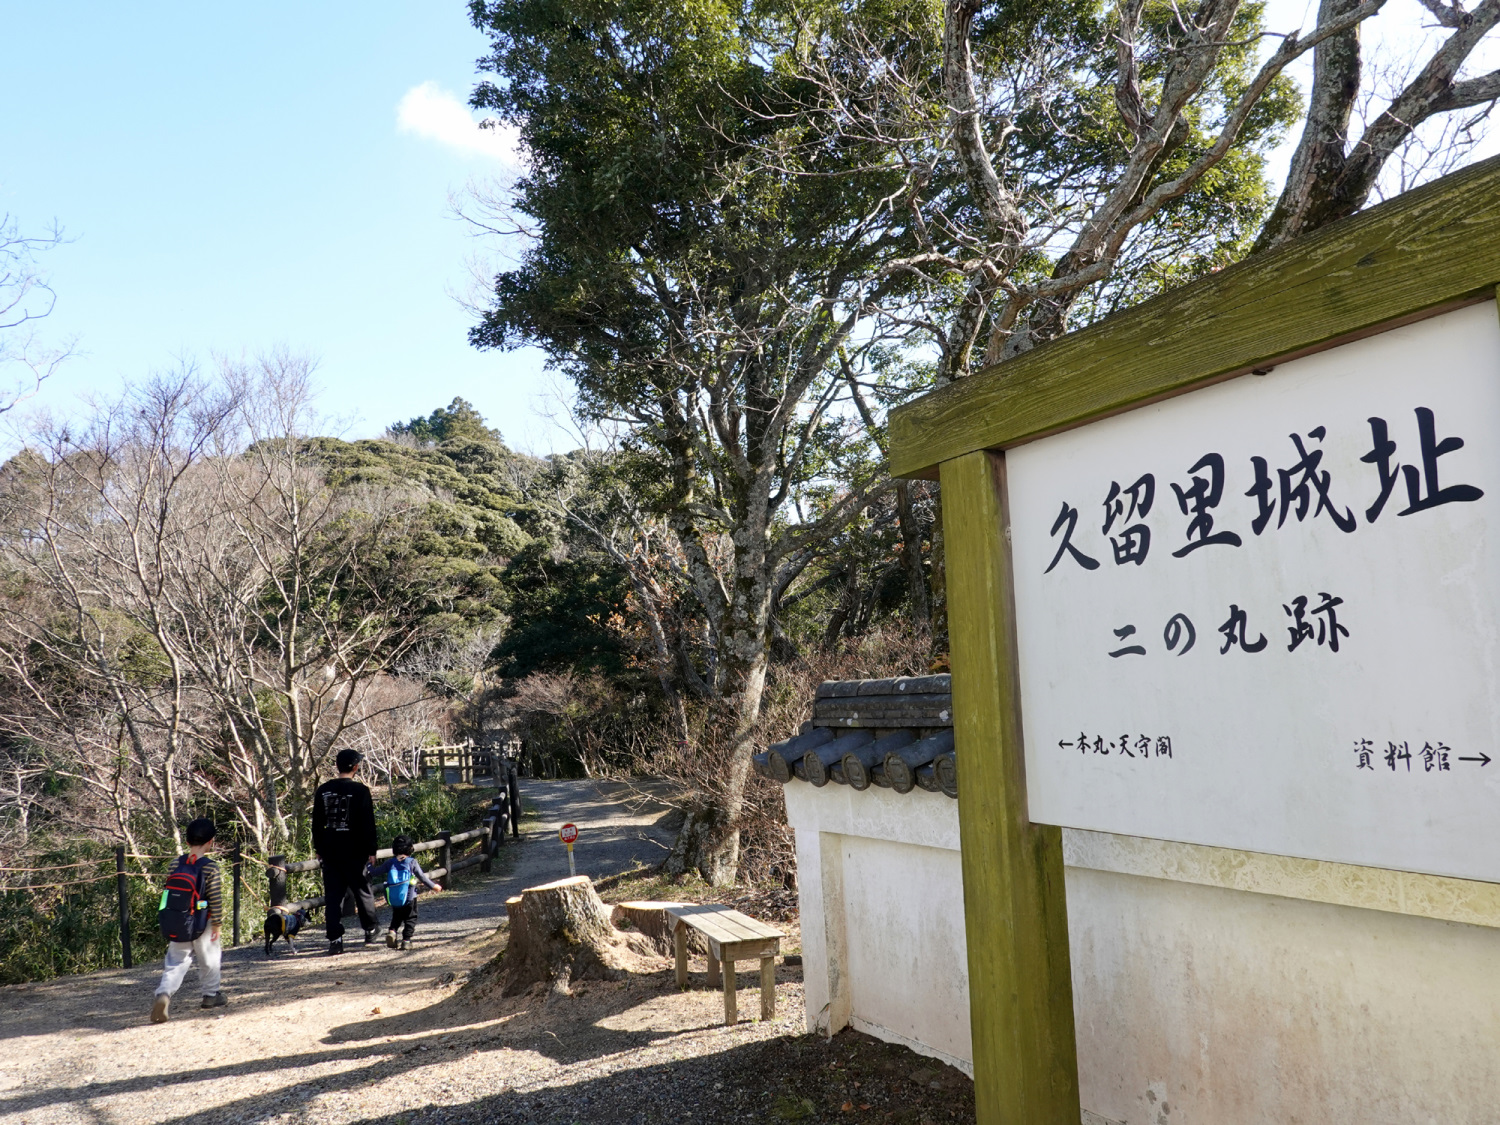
[(183, 914)]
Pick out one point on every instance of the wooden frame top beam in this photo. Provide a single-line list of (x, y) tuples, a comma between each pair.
[(1430, 249)]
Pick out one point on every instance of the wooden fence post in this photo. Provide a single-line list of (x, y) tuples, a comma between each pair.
[(238, 858), (124, 891), (515, 801), (1015, 910), (443, 764), (502, 811), (484, 844), (445, 854), (276, 876)]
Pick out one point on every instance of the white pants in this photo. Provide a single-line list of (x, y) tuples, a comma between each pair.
[(180, 955)]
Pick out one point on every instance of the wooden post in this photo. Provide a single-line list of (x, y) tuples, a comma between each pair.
[(514, 792), (731, 986), (768, 986), (238, 857), (276, 880), (443, 764), (445, 853), (679, 947), (484, 844), (1020, 982), (123, 888)]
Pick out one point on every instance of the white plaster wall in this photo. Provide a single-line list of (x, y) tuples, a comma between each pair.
[(1326, 993), (881, 889), (905, 984), (1199, 1004)]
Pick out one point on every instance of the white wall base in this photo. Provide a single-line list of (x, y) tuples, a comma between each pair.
[(1209, 986)]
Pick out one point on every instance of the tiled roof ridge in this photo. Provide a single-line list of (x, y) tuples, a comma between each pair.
[(895, 733)]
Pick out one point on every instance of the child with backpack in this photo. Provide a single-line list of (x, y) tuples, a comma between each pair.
[(400, 875), (191, 907)]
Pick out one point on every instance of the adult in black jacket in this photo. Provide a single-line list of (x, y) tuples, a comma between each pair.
[(343, 831)]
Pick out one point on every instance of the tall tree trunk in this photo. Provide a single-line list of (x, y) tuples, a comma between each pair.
[(1310, 197), (718, 858), (709, 840)]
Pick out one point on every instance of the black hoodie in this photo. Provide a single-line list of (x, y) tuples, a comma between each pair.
[(343, 821)]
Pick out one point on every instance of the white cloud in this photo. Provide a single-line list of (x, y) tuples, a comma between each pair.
[(430, 111)]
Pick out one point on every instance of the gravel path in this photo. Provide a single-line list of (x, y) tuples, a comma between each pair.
[(319, 1039), (619, 828), (424, 1038)]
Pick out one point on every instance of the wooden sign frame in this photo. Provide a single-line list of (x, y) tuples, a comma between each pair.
[(1426, 252)]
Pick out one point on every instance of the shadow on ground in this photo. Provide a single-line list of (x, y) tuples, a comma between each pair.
[(851, 1078), (457, 1025)]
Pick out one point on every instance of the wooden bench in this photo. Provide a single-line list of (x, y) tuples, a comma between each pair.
[(731, 936)]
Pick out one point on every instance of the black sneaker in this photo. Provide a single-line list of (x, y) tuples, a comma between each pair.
[(369, 937), (217, 1000), (335, 947)]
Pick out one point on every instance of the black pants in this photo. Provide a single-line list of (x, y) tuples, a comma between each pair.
[(404, 918), (339, 879)]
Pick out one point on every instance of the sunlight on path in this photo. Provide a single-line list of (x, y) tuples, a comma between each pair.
[(343, 1039)]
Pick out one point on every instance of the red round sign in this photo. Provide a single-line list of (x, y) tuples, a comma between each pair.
[(568, 834)]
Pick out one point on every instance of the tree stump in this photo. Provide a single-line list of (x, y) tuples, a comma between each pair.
[(650, 918), (561, 932)]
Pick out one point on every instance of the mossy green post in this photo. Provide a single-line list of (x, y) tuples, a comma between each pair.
[(1430, 250), (1016, 914)]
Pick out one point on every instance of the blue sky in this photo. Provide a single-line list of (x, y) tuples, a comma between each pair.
[(235, 177)]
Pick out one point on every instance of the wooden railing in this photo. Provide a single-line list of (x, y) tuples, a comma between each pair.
[(277, 868), (467, 759), (502, 818)]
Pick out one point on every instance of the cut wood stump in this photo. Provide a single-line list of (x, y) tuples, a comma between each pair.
[(653, 922), (561, 932)]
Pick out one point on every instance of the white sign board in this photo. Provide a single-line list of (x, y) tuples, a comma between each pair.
[(1266, 614)]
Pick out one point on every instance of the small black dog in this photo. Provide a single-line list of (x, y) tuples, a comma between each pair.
[(283, 923)]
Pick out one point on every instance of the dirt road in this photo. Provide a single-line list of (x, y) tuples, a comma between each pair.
[(376, 1035)]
